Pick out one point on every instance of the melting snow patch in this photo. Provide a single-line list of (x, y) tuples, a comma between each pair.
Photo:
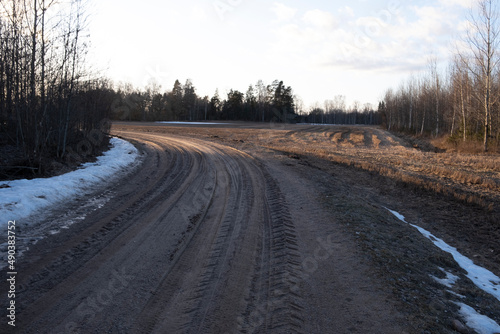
[(449, 281), (482, 278), (480, 323), (21, 198)]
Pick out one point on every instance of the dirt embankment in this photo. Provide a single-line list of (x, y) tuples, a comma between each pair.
[(252, 229)]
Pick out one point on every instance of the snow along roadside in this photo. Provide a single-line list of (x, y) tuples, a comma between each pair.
[(481, 277), (21, 198)]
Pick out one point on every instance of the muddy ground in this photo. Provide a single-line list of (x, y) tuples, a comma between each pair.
[(251, 228)]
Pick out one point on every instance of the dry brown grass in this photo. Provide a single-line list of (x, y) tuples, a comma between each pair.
[(456, 144), (470, 178)]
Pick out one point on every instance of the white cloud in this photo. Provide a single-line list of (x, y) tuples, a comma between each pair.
[(431, 27), (283, 12), (403, 43), (320, 18), (198, 14), (462, 3), (346, 11)]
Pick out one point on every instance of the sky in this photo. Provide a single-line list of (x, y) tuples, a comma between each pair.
[(320, 48)]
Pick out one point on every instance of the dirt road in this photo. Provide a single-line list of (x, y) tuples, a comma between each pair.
[(208, 238)]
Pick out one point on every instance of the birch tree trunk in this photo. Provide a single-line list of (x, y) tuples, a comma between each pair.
[(481, 58)]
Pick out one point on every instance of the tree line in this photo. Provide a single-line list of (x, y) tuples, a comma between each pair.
[(48, 101), (462, 103), (336, 112), (275, 102)]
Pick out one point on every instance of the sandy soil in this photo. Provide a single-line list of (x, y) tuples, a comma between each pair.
[(251, 228)]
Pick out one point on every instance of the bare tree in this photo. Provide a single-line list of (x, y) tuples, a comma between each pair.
[(460, 78), (261, 98), (411, 97), (481, 59), (436, 87), (43, 98)]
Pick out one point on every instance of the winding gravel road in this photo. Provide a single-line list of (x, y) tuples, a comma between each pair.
[(201, 238)]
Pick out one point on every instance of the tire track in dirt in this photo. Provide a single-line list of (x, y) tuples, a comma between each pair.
[(245, 236), (339, 291), (274, 303), (217, 231), (185, 181), (66, 252), (212, 297), (199, 239)]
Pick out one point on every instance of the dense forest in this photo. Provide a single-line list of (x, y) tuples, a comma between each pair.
[(259, 103), (463, 103)]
